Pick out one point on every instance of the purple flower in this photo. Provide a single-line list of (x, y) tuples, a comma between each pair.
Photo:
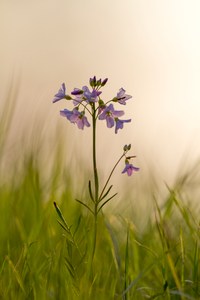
[(90, 96), (129, 169), (77, 91), (109, 114), (61, 94), (122, 97), (75, 117), (120, 123)]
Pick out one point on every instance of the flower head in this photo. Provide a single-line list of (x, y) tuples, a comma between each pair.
[(75, 117), (122, 97), (109, 114), (120, 123), (129, 169), (61, 94)]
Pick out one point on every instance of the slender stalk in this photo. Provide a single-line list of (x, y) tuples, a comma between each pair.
[(113, 169), (96, 182), (96, 178), (95, 232)]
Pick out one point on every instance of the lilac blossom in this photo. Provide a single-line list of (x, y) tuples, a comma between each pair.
[(129, 169), (122, 97), (109, 114), (120, 123), (61, 94), (75, 117)]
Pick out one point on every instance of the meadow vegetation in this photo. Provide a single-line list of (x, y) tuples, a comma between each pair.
[(46, 241)]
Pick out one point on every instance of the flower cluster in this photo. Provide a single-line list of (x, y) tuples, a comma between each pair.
[(89, 100)]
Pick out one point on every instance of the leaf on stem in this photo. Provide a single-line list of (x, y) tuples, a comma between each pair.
[(77, 226), (90, 190), (63, 226), (61, 217), (103, 196), (85, 205), (106, 202)]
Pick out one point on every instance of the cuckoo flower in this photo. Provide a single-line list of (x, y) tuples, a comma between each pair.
[(76, 92), (75, 117), (120, 123), (90, 96), (61, 94), (87, 100), (122, 97), (78, 96), (109, 114), (129, 169)]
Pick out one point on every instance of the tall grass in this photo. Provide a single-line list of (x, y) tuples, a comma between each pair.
[(46, 247)]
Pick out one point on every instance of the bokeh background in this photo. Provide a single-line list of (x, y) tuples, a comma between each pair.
[(150, 48)]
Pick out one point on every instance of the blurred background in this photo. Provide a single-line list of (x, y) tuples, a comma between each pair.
[(150, 48)]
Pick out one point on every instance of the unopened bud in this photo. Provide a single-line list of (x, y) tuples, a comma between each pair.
[(104, 81)]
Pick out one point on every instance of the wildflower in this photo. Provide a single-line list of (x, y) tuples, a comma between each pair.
[(61, 94), (90, 96), (75, 117), (122, 97), (120, 123), (129, 169), (109, 114), (78, 93)]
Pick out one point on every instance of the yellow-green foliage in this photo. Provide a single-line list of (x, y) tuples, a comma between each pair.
[(45, 248)]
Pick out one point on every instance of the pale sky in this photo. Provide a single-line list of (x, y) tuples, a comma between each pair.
[(149, 47)]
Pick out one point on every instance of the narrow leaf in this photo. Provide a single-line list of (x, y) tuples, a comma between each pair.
[(62, 225), (106, 201), (85, 205), (103, 196), (90, 191), (61, 215)]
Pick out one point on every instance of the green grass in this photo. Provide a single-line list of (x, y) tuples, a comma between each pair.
[(45, 250)]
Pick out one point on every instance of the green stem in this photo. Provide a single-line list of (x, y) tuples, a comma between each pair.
[(94, 233), (96, 180), (113, 169)]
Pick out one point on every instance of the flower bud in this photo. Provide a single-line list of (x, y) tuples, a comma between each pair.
[(68, 97), (98, 82), (93, 81), (115, 99), (104, 82), (125, 148)]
